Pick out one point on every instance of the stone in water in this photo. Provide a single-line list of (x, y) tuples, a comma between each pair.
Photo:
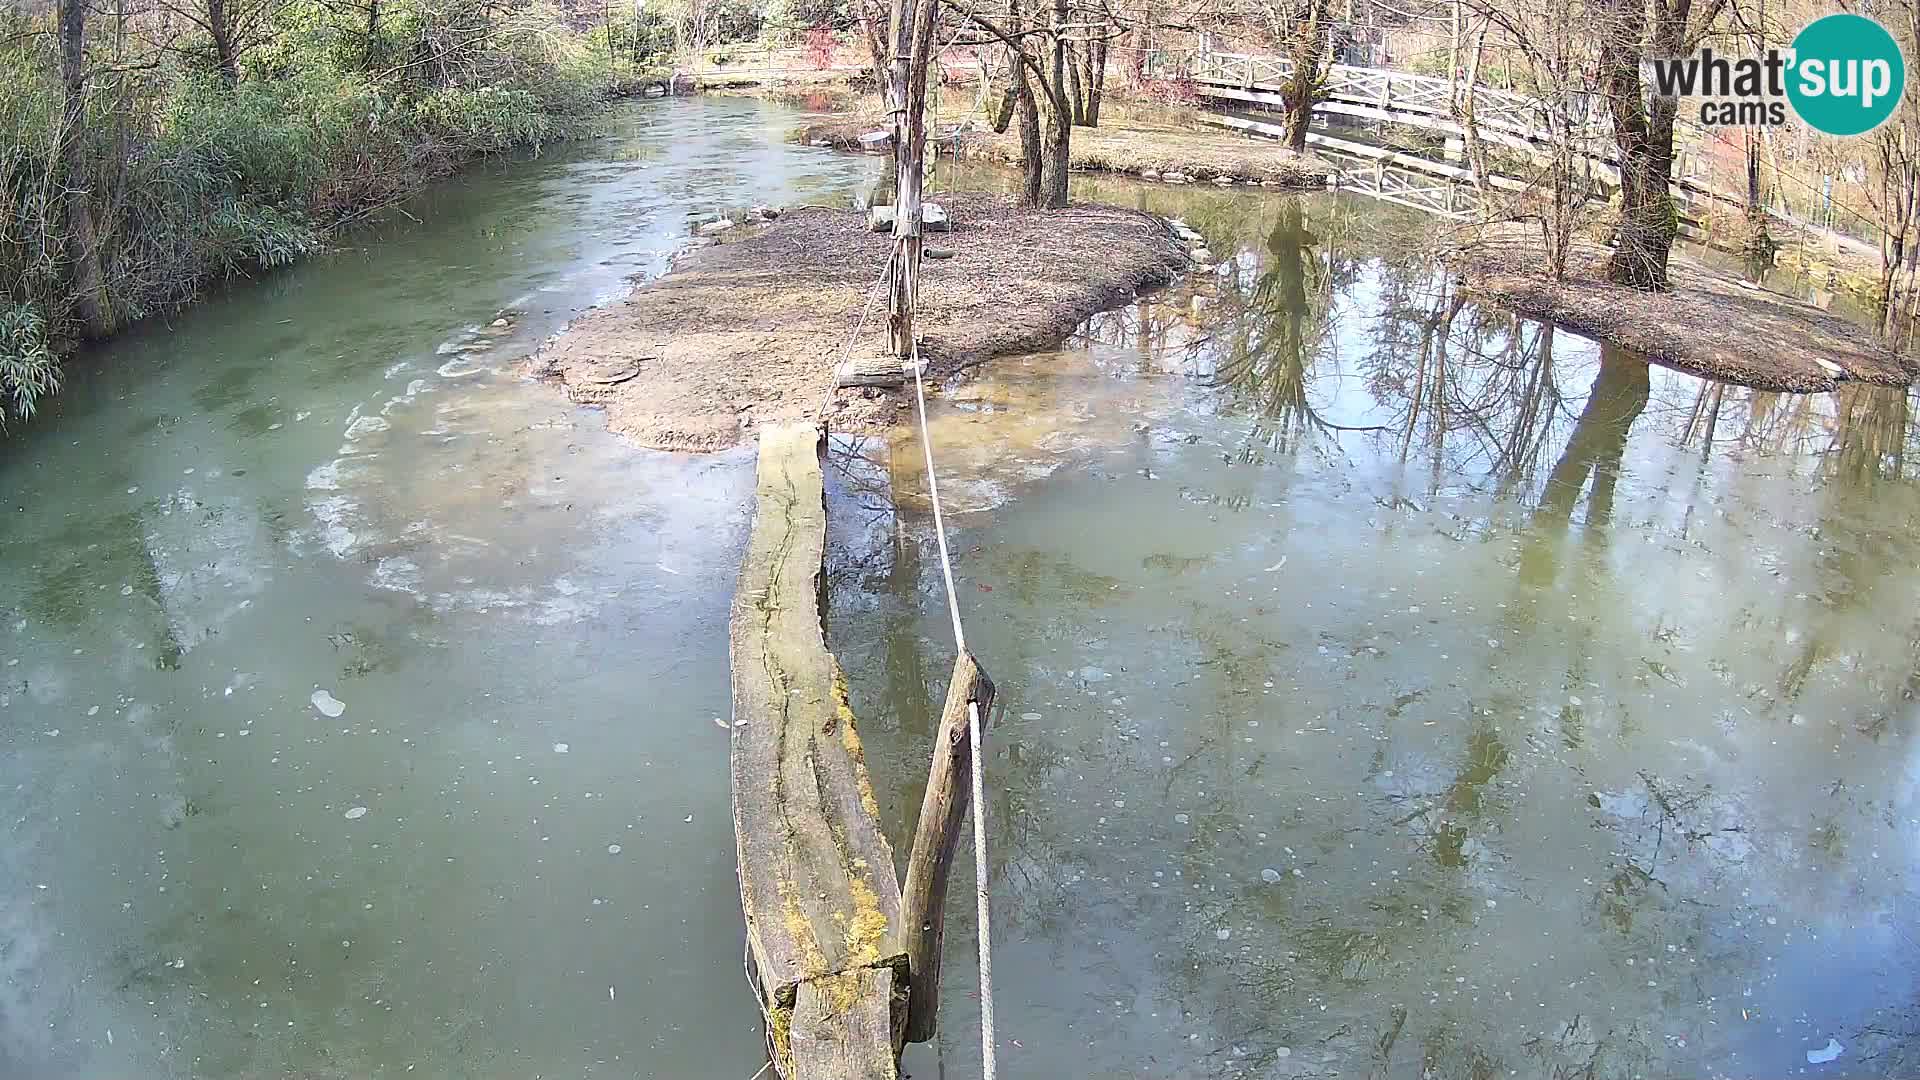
[(356, 813), (1270, 876), (328, 705), (560, 748), (1827, 1053)]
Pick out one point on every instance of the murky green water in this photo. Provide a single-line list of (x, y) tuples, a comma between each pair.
[(334, 481), (1393, 690), (1431, 696)]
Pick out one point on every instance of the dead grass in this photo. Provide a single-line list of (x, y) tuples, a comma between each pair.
[(749, 330), (1707, 324)]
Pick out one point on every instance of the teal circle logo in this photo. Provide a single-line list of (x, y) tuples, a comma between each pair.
[(1847, 75)]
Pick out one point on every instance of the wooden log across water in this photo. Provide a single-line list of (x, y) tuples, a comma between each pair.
[(817, 882)]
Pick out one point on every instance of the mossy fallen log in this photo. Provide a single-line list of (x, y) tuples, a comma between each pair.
[(817, 882)]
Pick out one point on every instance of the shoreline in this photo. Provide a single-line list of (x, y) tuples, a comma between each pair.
[(1709, 324), (750, 330), (1153, 154)]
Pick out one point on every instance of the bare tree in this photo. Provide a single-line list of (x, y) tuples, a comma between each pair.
[(1630, 32), (90, 302)]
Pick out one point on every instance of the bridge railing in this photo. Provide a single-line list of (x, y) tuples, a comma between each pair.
[(1392, 91)]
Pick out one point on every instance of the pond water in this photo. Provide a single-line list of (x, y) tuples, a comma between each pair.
[(1391, 688)]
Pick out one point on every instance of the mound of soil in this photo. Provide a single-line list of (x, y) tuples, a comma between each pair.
[(1708, 323), (750, 330)]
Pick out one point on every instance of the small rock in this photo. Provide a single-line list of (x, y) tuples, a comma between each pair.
[(561, 748), (1223, 933), (613, 849), (356, 813), (1149, 174), (1270, 876), (714, 228), (1223, 181), (499, 324), (1202, 255), (329, 706), (1174, 177)]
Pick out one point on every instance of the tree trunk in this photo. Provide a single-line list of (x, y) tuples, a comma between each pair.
[(1644, 137), (1454, 42), (874, 29), (220, 27), (1309, 47), (90, 305), (371, 51), (912, 33), (1463, 102), (1031, 165), (1001, 115), (1076, 89), (1053, 184), (1096, 81)]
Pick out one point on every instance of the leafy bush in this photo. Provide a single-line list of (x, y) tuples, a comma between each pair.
[(190, 179), (29, 370)]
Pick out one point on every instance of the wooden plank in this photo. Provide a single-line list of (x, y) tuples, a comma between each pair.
[(816, 874), (843, 1027), (884, 370), (936, 837)]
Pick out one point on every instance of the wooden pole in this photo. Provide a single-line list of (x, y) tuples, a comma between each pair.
[(912, 33), (935, 841)]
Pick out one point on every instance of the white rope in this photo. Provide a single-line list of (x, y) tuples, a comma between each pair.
[(989, 1065), (846, 353), (939, 522)]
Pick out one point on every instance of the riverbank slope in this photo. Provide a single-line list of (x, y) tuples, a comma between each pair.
[(750, 330), (1709, 323)]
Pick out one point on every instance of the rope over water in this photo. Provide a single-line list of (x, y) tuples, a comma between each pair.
[(981, 912)]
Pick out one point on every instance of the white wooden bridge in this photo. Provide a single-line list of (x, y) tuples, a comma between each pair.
[(1242, 82)]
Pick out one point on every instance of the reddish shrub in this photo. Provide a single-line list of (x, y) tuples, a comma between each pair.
[(821, 45)]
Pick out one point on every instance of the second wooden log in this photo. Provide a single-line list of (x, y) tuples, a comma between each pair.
[(935, 841)]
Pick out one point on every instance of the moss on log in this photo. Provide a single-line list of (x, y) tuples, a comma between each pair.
[(817, 883)]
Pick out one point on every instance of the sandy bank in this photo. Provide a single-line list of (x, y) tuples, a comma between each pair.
[(749, 330), (1707, 324), (1156, 153)]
